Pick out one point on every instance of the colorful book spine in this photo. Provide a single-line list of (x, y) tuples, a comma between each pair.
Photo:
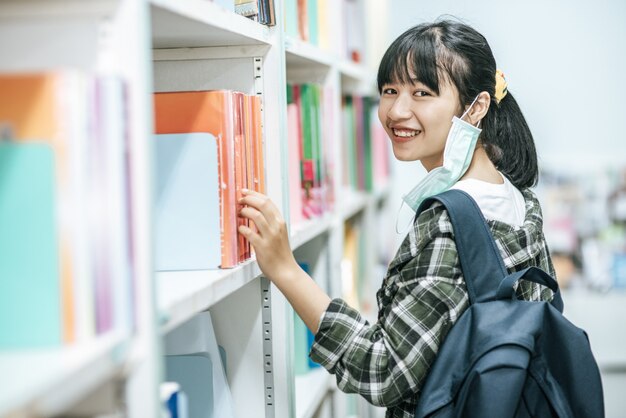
[(30, 302), (310, 123), (366, 147), (243, 247), (291, 18), (235, 121), (295, 180), (259, 145), (208, 112), (77, 267)]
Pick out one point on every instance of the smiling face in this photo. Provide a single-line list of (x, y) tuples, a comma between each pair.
[(417, 119)]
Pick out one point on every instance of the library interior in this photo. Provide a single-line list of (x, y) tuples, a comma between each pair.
[(125, 287)]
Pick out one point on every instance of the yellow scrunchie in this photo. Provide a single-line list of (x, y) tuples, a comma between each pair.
[(501, 86)]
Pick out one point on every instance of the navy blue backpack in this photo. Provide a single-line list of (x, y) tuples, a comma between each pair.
[(506, 357)]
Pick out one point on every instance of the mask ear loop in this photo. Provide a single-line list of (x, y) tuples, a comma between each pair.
[(468, 109), (406, 228)]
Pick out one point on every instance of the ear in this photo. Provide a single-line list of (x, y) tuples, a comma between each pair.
[(480, 108)]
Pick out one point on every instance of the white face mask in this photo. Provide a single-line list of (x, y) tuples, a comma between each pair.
[(457, 156)]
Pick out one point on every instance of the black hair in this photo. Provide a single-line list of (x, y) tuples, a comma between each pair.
[(454, 51)]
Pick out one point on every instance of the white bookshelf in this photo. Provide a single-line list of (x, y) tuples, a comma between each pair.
[(169, 45), (353, 202), (182, 294), (201, 23), (310, 229), (45, 382), (299, 53), (310, 391)]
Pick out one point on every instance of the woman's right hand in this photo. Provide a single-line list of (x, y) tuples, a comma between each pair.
[(270, 240)]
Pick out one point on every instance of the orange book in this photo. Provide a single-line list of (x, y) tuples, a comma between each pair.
[(249, 136), (32, 106), (259, 153), (250, 153), (211, 112), (303, 20), (240, 167)]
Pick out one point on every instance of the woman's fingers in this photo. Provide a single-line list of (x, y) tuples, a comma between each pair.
[(250, 235), (257, 217), (263, 204)]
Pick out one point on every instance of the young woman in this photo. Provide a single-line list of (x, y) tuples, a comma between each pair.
[(438, 84)]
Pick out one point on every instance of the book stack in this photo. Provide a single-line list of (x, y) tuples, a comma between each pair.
[(261, 11), (366, 146), (65, 248), (309, 117), (209, 146), (335, 26), (308, 20)]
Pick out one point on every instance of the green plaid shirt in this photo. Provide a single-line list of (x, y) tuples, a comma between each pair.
[(422, 296)]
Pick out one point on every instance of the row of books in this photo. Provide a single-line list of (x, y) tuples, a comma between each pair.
[(261, 11), (309, 121), (365, 146), (208, 146), (65, 248), (353, 273), (335, 26)]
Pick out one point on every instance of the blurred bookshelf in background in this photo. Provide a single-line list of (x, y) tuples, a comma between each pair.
[(585, 226)]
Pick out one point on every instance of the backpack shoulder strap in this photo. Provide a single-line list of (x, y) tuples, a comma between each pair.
[(480, 259)]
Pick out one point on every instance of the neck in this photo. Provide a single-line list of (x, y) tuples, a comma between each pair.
[(481, 168)]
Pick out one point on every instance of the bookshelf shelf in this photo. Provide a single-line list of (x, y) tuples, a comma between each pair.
[(311, 388), (309, 229), (382, 192), (182, 294), (197, 23), (303, 54), (45, 382), (353, 72), (54, 8), (354, 202)]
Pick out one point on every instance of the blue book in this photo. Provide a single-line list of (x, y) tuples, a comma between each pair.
[(313, 22), (194, 374), (291, 18), (30, 311), (187, 203)]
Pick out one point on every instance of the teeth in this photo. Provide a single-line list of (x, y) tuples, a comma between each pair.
[(404, 133)]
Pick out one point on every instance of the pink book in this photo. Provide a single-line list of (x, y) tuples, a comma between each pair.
[(295, 182), (357, 102)]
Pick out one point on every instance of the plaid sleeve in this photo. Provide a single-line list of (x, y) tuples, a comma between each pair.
[(387, 362)]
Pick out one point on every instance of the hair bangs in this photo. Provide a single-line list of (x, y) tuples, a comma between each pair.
[(411, 58)]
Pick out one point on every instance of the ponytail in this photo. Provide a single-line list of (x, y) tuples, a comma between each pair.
[(509, 142)]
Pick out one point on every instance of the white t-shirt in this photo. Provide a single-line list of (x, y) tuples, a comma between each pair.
[(501, 202)]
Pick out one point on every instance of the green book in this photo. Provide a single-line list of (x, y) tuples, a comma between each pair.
[(308, 134), (367, 144), (30, 311), (350, 142)]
